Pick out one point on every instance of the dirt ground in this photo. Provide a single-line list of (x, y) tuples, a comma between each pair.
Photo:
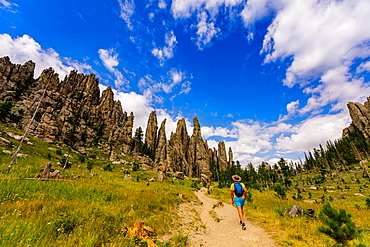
[(213, 223)]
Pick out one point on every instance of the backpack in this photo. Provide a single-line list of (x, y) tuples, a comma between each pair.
[(238, 189)]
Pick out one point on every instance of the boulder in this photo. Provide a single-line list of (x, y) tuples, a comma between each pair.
[(161, 176), (4, 141), (179, 175)]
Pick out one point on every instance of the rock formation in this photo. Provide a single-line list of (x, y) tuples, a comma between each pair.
[(151, 131), (190, 155), (360, 115), (73, 113), (222, 158), (231, 161), (198, 151), (178, 149), (161, 150)]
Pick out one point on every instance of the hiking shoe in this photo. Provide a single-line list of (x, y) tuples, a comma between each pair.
[(240, 222), (244, 227)]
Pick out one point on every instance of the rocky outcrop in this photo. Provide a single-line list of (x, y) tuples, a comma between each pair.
[(231, 161), (14, 78), (151, 131), (198, 155), (161, 145), (190, 155), (71, 112), (222, 157), (360, 115), (178, 149)]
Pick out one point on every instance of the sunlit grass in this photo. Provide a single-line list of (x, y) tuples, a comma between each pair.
[(266, 210), (96, 208), (73, 213), (93, 210)]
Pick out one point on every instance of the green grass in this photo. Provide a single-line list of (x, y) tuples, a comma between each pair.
[(97, 208), (94, 210), (266, 209)]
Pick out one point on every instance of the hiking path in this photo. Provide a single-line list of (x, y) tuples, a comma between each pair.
[(214, 223)]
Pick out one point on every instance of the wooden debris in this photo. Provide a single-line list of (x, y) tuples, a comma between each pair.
[(141, 231)]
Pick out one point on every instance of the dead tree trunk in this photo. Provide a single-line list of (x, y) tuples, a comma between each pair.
[(25, 132)]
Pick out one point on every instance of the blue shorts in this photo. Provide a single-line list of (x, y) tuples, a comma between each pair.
[(239, 202)]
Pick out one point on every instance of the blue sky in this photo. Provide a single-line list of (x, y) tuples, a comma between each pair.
[(270, 77)]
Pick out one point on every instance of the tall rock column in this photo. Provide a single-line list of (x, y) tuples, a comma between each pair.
[(161, 150), (198, 156), (222, 158), (231, 161), (151, 131), (178, 149)]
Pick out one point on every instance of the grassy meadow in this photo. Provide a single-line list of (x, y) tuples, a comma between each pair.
[(266, 209), (93, 205)]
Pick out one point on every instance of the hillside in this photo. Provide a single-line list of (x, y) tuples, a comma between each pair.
[(100, 164), (73, 114), (94, 201)]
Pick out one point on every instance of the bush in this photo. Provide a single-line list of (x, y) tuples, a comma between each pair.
[(249, 197), (108, 167), (280, 191), (340, 225), (90, 165), (135, 166), (367, 200)]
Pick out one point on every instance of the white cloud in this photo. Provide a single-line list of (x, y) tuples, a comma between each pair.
[(127, 10), (175, 82), (185, 8), (320, 35), (162, 4), (338, 88), (25, 48), (322, 39), (313, 131), (206, 12), (149, 87), (363, 67), (256, 9), (6, 4), (175, 78), (141, 108), (110, 61), (256, 142), (206, 30), (167, 51)]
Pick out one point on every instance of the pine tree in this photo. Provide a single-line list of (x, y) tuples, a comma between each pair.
[(340, 225)]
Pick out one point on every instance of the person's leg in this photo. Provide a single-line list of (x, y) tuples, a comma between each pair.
[(241, 214)]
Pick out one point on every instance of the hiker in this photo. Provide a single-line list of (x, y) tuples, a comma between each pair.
[(238, 194)]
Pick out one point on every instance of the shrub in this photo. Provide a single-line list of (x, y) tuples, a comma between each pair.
[(249, 197), (280, 191), (90, 165), (135, 166), (367, 200), (108, 167), (340, 225)]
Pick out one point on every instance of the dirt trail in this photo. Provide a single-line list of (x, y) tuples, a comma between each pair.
[(226, 232)]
